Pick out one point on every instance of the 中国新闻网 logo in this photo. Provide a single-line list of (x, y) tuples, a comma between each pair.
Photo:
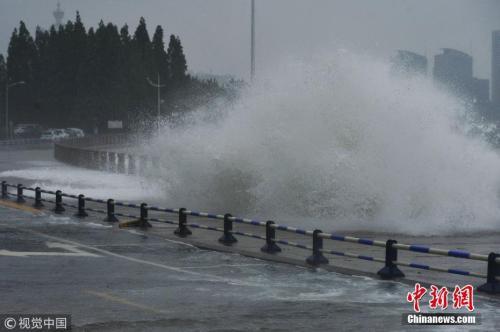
[(462, 297)]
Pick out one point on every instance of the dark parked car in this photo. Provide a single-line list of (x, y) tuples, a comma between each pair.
[(27, 130)]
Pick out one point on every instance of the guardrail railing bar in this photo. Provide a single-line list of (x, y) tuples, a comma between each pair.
[(440, 269), (353, 255), (442, 252), (163, 221), (70, 205), (353, 239), (293, 244), (127, 215), (96, 210), (48, 192), (255, 236), (195, 225)]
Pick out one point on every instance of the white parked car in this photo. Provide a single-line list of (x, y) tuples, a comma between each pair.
[(75, 132), (54, 134)]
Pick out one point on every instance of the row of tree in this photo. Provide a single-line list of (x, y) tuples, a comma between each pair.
[(79, 77)]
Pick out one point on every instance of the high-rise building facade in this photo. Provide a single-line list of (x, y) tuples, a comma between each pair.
[(453, 69), (407, 62), (480, 91), (495, 67)]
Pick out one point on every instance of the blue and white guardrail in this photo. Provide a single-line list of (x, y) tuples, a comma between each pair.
[(390, 270)]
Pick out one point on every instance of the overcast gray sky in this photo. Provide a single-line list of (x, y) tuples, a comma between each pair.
[(215, 33)]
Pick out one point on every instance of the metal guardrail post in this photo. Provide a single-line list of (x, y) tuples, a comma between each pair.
[(20, 198), (143, 221), (270, 247), (5, 193), (38, 198), (492, 285), (182, 230), (59, 207), (317, 257), (227, 238), (390, 270), (110, 204), (81, 207)]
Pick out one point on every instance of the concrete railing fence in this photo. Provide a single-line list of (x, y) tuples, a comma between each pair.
[(96, 152), (25, 143)]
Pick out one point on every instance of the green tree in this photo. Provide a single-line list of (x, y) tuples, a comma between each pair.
[(141, 40), (41, 74), (88, 97), (21, 57), (160, 57), (52, 79), (3, 82), (71, 51), (3, 72), (83, 78), (177, 60), (124, 82), (125, 36), (141, 67)]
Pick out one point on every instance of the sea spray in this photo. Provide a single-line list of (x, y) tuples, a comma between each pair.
[(339, 143)]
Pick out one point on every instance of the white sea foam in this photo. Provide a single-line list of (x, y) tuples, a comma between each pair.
[(340, 143), (91, 183)]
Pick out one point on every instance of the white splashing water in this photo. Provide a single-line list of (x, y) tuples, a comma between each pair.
[(340, 143), (73, 180)]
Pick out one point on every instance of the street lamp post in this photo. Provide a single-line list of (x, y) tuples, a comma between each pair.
[(158, 86), (252, 41), (7, 86)]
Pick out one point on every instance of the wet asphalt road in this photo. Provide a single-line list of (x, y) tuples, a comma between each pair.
[(125, 281), (112, 279)]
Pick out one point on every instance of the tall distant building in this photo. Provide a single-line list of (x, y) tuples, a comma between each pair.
[(411, 63), (495, 68), (58, 15), (453, 69), (480, 91)]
